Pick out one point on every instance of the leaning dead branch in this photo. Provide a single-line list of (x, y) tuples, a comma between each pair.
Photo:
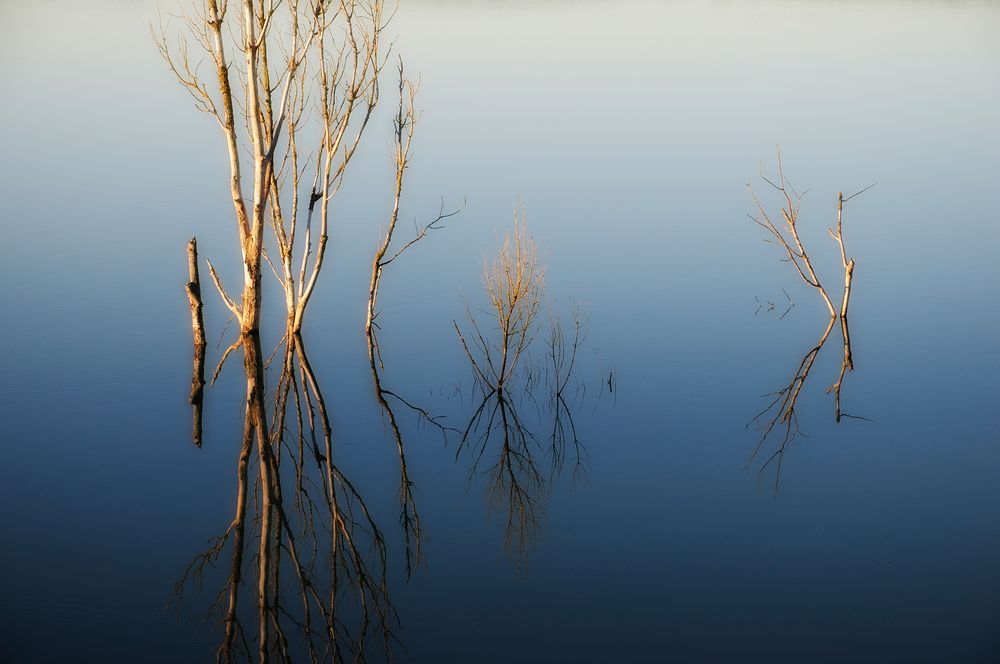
[(409, 518)]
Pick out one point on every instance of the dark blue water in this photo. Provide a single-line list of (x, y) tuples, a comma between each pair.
[(627, 132)]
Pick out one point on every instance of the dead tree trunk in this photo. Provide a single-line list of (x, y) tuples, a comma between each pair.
[(193, 289)]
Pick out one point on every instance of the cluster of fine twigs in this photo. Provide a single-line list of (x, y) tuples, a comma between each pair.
[(514, 285), (780, 414)]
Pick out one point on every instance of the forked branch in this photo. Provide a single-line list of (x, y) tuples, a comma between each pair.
[(786, 235)]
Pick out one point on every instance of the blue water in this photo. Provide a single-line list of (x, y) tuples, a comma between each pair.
[(627, 131)]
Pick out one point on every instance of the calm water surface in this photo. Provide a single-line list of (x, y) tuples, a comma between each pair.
[(627, 131)]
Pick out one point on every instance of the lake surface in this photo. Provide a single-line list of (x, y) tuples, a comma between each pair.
[(627, 132)]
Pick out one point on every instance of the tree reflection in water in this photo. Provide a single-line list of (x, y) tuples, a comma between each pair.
[(504, 447), (301, 533)]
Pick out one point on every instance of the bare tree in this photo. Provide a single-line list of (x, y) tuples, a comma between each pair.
[(293, 52)]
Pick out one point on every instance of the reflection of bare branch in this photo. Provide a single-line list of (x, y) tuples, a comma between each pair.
[(847, 364), (348, 520), (231, 622), (409, 518), (781, 410), (517, 486), (562, 358), (780, 413), (791, 304)]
